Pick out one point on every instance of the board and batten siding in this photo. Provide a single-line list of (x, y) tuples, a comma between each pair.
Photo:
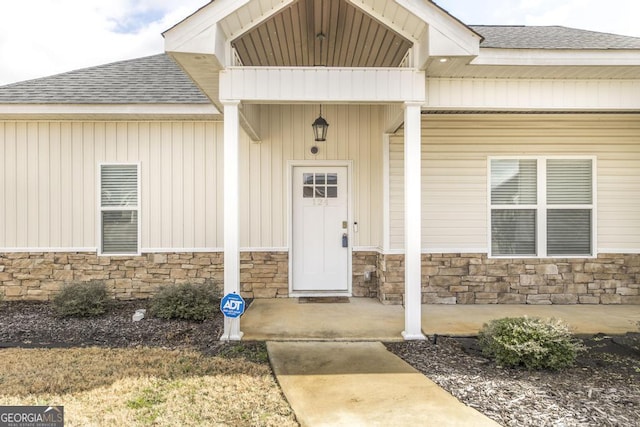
[(355, 134), (50, 171), (455, 149)]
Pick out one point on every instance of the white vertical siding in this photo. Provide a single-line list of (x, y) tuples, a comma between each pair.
[(49, 181), (49, 177), (453, 199), (355, 133), (454, 153), (48, 189), (55, 190)]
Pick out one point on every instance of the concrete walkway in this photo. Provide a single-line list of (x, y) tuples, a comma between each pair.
[(362, 384), (332, 377), (366, 319)]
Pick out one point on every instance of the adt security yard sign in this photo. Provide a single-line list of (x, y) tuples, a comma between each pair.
[(232, 306)]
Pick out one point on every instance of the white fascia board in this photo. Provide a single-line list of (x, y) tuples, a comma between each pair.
[(433, 45), (249, 21), (210, 41), (460, 35), (442, 45), (108, 109), (557, 57), (209, 15), (200, 33), (369, 10)]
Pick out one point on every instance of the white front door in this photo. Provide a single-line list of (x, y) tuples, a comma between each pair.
[(320, 244)]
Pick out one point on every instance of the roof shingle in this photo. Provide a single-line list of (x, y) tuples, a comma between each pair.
[(159, 80), (552, 37), (150, 80)]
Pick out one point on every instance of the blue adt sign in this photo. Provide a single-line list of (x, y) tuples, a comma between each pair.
[(232, 305)]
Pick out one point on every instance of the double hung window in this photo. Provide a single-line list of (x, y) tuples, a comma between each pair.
[(119, 209), (542, 206)]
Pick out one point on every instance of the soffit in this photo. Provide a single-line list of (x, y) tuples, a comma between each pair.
[(352, 38)]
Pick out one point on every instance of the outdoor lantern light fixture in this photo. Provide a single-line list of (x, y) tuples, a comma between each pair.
[(320, 127)]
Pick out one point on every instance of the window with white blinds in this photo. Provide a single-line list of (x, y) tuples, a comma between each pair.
[(541, 206), (513, 182), (119, 209)]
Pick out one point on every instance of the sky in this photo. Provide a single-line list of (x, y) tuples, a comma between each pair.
[(44, 37)]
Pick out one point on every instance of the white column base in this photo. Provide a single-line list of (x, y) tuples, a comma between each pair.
[(413, 337), (231, 330)]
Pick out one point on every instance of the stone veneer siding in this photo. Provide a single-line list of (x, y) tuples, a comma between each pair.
[(263, 274), (477, 279), (39, 276), (446, 278), (362, 262)]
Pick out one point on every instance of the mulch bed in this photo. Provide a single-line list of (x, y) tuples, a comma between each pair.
[(603, 389), (30, 324)]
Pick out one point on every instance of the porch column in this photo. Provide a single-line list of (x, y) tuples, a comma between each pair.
[(231, 213), (412, 223)]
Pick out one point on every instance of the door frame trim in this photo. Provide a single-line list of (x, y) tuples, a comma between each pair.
[(291, 164)]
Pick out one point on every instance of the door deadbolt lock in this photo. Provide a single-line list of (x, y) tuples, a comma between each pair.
[(344, 224)]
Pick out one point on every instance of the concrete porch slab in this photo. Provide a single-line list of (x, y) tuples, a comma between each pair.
[(460, 320), (284, 319), (366, 319)]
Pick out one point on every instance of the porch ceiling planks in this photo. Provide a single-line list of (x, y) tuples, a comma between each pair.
[(351, 38)]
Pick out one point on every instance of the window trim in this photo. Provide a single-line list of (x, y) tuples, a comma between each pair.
[(101, 208), (542, 207)]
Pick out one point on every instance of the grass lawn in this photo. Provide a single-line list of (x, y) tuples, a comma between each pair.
[(146, 386)]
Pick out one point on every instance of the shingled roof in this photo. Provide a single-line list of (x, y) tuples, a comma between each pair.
[(151, 80), (159, 80), (552, 37)]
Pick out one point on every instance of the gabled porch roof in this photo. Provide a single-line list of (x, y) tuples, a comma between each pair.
[(376, 31), (304, 34), (335, 34)]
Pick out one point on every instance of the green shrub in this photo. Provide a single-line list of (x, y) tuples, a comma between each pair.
[(82, 300), (530, 342), (187, 301)]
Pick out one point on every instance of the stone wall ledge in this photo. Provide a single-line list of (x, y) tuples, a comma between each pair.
[(40, 276), (446, 278), (477, 279)]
